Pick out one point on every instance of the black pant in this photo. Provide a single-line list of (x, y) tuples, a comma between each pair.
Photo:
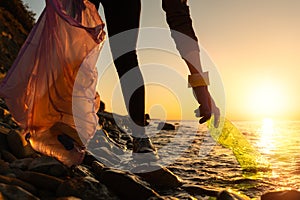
[(122, 21)]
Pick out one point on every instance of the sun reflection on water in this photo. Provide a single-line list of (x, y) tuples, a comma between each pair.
[(267, 134)]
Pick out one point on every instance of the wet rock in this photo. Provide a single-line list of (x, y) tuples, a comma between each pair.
[(39, 180), (2, 113), (159, 177), (7, 156), (103, 152), (68, 198), (15, 192), (97, 167), (18, 145), (48, 165), (3, 140), (198, 190), (166, 126), (17, 182), (231, 195), (105, 161), (4, 167), (21, 163), (81, 171), (280, 195), (100, 140), (4, 128), (126, 185), (85, 188)]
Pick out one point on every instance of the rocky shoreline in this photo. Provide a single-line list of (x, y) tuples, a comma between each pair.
[(26, 174)]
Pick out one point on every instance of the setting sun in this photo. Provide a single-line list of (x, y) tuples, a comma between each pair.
[(266, 99)]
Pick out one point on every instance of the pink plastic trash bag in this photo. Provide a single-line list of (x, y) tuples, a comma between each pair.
[(53, 80)]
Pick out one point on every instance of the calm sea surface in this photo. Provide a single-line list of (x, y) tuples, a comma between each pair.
[(193, 155)]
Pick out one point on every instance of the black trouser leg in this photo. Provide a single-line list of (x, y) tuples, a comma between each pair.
[(121, 16)]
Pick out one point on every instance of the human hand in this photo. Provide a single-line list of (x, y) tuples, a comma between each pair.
[(207, 105)]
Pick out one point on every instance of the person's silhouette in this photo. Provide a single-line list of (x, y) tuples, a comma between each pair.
[(124, 15)]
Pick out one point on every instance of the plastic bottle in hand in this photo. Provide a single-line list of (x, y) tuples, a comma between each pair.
[(230, 137)]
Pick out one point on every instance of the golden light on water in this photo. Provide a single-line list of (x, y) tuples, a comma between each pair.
[(267, 133)]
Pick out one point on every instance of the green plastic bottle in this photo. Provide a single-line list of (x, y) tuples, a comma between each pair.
[(230, 137)]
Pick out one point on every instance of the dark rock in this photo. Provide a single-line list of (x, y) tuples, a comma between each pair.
[(85, 188), (48, 165), (17, 182), (4, 128), (97, 167), (103, 139), (46, 194), (2, 113), (68, 198), (280, 195), (18, 145), (14, 20), (126, 185), (7, 156), (103, 152), (231, 195), (15, 192), (21, 163), (39, 180), (81, 171), (3, 140), (159, 177), (198, 190), (166, 126), (105, 161), (99, 140), (4, 167)]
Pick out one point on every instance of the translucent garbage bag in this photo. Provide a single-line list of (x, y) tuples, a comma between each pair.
[(54, 77)]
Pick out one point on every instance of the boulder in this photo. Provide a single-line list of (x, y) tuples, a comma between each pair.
[(107, 154), (3, 139), (15, 192), (4, 167), (18, 145), (280, 195), (14, 181), (231, 195), (167, 126), (85, 188), (199, 190), (39, 180), (48, 165), (97, 167), (21, 163), (7, 156), (159, 177), (126, 185), (81, 171), (68, 198)]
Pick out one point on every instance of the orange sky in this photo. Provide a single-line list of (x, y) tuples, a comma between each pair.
[(253, 44)]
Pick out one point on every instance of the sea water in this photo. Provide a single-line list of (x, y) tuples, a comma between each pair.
[(199, 160)]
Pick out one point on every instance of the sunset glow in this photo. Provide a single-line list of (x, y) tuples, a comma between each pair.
[(254, 45), (266, 99)]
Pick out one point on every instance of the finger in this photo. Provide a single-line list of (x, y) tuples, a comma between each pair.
[(204, 118), (216, 113)]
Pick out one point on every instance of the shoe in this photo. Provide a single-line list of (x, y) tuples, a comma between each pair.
[(143, 149)]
